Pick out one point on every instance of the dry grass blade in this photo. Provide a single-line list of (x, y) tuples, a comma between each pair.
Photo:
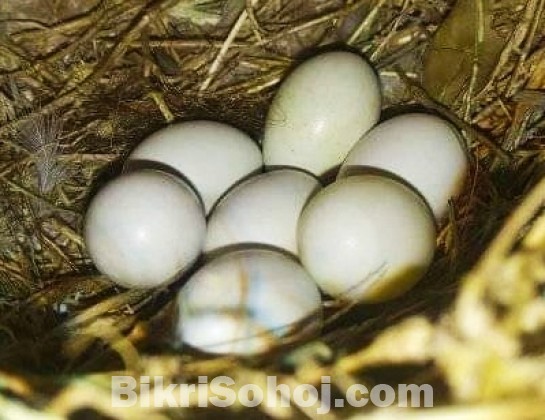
[(81, 83)]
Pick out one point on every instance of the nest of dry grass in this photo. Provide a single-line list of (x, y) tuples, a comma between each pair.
[(82, 82)]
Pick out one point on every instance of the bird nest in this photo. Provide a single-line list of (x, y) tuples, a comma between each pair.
[(81, 83)]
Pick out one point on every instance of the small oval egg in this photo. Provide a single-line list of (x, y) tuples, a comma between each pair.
[(423, 149), (320, 111), (262, 210), (366, 238), (212, 156), (247, 302), (144, 228)]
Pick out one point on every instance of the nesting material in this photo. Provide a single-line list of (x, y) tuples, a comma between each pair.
[(473, 329)]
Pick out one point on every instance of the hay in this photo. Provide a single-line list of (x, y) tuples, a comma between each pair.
[(82, 82)]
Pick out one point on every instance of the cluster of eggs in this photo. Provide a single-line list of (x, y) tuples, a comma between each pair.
[(271, 240)]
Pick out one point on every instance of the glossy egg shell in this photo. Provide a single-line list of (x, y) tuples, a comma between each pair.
[(210, 155), (144, 228), (247, 302), (263, 210), (366, 238), (320, 111), (425, 150)]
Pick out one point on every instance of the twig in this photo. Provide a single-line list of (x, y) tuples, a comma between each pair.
[(479, 39), (256, 28), (93, 29), (41, 68), (391, 32), (69, 25), (189, 43), (309, 24), (52, 245), (159, 100), (537, 15), (70, 96), (18, 188), (426, 100), (510, 232), (517, 37), (216, 64), (365, 25)]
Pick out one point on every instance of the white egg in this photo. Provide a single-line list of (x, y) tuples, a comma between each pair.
[(366, 238), (423, 149), (262, 210), (144, 228), (247, 302), (210, 155), (320, 111)]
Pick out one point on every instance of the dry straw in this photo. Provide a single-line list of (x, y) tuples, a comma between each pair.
[(82, 82)]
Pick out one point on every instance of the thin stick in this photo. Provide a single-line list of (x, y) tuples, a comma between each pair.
[(510, 232), (527, 45), (479, 39), (70, 96), (365, 25), (215, 67), (33, 196), (422, 95), (516, 39)]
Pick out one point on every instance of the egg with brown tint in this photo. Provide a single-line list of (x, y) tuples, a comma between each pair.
[(366, 238)]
